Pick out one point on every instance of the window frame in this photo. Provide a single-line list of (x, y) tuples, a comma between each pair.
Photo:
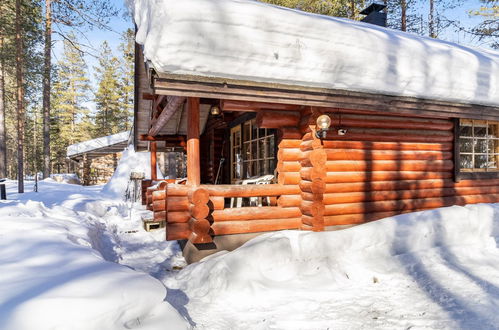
[(247, 143), (473, 173)]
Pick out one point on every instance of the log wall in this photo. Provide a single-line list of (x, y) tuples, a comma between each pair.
[(388, 165), (383, 166)]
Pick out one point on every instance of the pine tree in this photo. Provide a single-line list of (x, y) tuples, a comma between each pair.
[(109, 118), (70, 90), (489, 28), (69, 13), (127, 70)]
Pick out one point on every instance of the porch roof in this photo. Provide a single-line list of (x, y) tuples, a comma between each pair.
[(100, 146)]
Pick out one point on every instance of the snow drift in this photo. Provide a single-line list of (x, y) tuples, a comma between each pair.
[(249, 40), (130, 161), (411, 256), (53, 278)]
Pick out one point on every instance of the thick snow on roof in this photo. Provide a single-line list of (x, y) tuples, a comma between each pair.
[(248, 40), (95, 144)]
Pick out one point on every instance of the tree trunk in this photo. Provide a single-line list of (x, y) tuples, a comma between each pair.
[(3, 132), (20, 99), (403, 15), (431, 20), (46, 88)]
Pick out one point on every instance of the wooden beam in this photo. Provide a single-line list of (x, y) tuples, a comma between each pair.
[(173, 104), (308, 96), (156, 108), (154, 172), (245, 106), (193, 166), (167, 138)]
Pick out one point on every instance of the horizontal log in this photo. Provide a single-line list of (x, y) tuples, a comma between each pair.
[(159, 215), (255, 226), (290, 154), (178, 217), (380, 165), (352, 219), (357, 134), (159, 195), (289, 201), (397, 185), (255, 213), (177, 231), (291, 133), (290, 143), (293, 166), (407, 204), (344, 177), (363, 154), (289, 178), (178, 203), (252, 190), (159, 205), (390, 123), (354, 197), (233, 105), (166, 138), (277, 119), (373, 145)]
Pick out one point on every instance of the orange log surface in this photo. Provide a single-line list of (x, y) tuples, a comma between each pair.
[(407, 204), (255, 213), (177, 231), (254, 226), (371, 145)]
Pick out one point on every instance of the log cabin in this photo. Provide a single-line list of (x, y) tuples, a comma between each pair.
[(291, 120)]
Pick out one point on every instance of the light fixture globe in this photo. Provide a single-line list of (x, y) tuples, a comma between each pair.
[(323, 122), (215, 110)]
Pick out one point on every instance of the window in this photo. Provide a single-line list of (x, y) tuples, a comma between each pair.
[(252, 151), (479, 145)]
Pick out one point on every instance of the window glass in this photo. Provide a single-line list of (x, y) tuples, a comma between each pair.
[(479, 145)]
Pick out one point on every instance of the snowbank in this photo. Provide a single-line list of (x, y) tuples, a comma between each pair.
[(54, 278), (411, 256), (249, 40), (71, 178), (130, 161)]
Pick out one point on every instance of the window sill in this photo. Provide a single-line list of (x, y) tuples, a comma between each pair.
[(478, 175)]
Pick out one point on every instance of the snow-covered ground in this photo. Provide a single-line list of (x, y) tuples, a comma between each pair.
[(75, 257)]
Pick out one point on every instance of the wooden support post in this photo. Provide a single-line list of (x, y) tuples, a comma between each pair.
[(154, 168), (193, 166)]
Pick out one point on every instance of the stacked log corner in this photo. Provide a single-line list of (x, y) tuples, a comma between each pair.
[(313, 175), (200, 212)]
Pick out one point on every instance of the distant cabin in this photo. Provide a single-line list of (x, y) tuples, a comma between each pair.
[(291, 120)]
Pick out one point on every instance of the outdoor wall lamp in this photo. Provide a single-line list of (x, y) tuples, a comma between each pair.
[(323, 123), (215, 110)]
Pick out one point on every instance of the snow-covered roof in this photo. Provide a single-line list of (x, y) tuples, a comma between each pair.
[(120, 139), (253, 41)]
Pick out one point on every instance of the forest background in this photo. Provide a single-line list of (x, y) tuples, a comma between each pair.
[(61, 82)]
